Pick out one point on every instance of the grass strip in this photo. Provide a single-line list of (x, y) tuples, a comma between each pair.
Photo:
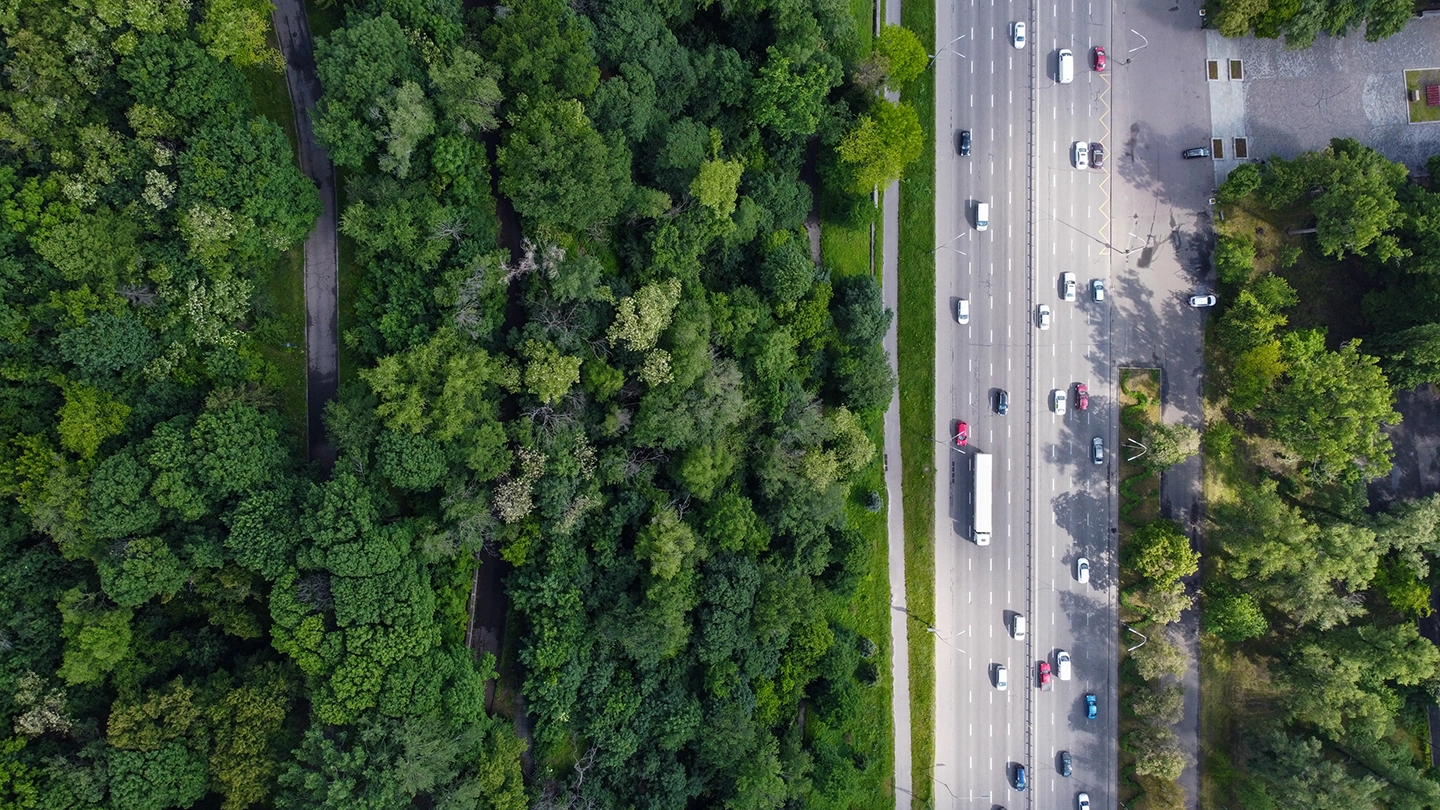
[(915, 328)]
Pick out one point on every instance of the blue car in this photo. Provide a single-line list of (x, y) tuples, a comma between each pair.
[(1019, 777), (1090, 708)]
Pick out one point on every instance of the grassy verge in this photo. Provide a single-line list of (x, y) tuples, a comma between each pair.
[(1140, 504), (916, 337)]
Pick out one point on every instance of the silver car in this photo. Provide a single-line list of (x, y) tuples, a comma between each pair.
[(1097, 450)]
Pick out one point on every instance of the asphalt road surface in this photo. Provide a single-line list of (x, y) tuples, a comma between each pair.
[(1051, 503)]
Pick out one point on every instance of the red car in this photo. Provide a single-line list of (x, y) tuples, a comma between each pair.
[(962, 434), (1044, 673), (1082, 397), (1099, 59)]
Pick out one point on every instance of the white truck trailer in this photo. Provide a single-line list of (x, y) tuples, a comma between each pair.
[(980, 527)]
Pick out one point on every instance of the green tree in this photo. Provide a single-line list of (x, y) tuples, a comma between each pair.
[(1234, 258), (549, 375), (787, 270), (411, 461), (236, 29), (789, 98), (1157, 752), (905, 56), (170, 776), (358, 65), (665, 542), (145, 568), (89, 417), (1324, 390), (118, 504), (883, 142), (1242, 180), (717, 184), (1358, 207), (1411, 357), (859, 310), (237, 449), (466, 90), (97, 640), (545, 49), (1160, 552), (1168, 445), (1234, 616), (1161, 706), (408, 120), (556, 168), (1157, 657)]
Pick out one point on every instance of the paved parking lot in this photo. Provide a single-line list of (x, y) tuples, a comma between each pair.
[(1291, 102)]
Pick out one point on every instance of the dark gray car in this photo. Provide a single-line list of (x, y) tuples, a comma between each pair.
[(1197, 152), (1065, 763), (964, 143), (1002, 402)]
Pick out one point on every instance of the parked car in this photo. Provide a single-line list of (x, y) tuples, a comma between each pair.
[(962, 311), (1002, 677), (1082, 570), (1097, 289), (1044, 673), (1065, 763), (1044, 316), (964, 143), (1196, 152), (1091, 708), (1082, 801), (1082, 397), (1002, 401), (1081, 151), (1200, 301), (1057, 401), (1097, 450), (1067, 286), (962, 434), (1019, 777), (1097, 155), (1017, 35), (1097, 58)]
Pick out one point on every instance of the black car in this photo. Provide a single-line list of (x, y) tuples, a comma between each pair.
[(1197, 152), (1097, 155), (1064, 763), (964, 143), (1002, 402)]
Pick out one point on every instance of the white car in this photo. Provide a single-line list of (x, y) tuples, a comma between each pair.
[(1044, 316), (1017, 35), (1057, 401), (1082, 801), (1082, 155), (1199, 301), (1067, 285), (1082, 570), (1097, 289), (1062, 665), (1001, 677), (962, 311)]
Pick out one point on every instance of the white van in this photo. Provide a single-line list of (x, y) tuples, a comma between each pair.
[(1066, 69), (982, 216), (1017, 627), (1062, 665)]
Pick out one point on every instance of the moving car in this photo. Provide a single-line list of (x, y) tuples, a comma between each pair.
[(1044, 673), (1097, 289), (1097, 58), (1017, 626), (1065, 66), (962, 434), (1081, 152), (1082, 397), (1097, 155), (1199, 301), (1002, 401), (1097, 450), (982, 216), (1196, 152), (1067, 286), (1082, 570), (1091, 709), (1065, 763), (1019, 777), (1082, 801), (1017, 35), (962, 311), (1002, 677), (1062, 667), (1044, 316), (1057, 401), (964, 143)]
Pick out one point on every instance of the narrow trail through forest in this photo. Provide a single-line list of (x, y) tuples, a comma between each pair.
[(322, 257)]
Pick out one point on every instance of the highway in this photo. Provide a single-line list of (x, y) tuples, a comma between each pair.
[(1051, 504)]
